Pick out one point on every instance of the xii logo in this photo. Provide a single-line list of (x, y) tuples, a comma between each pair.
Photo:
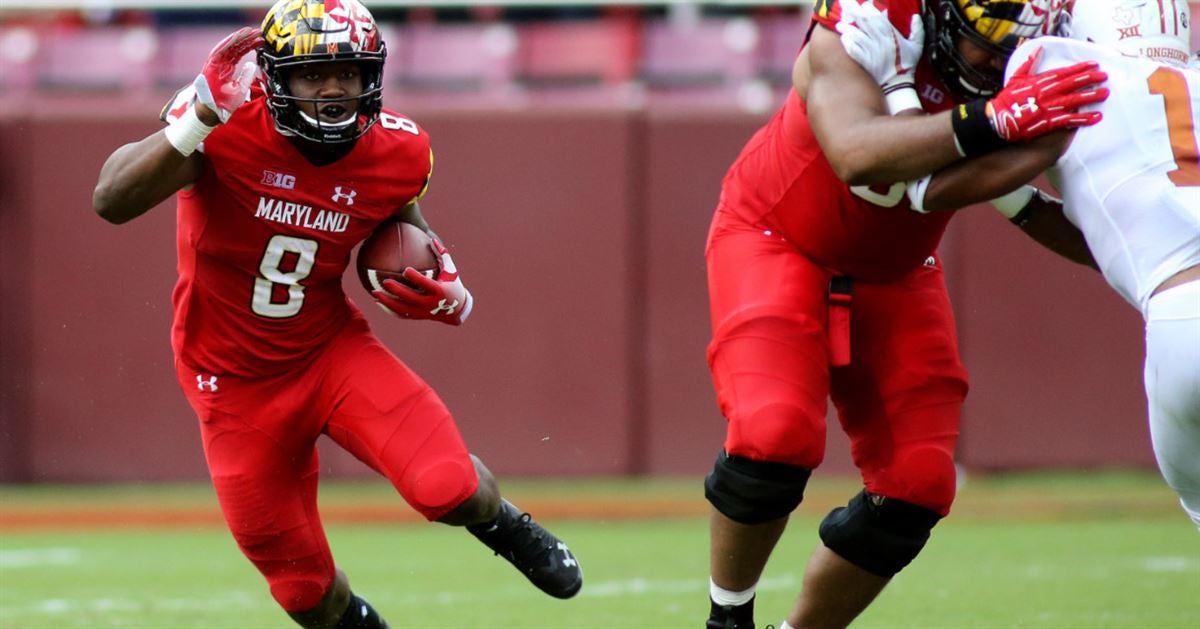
[(1132, 31)]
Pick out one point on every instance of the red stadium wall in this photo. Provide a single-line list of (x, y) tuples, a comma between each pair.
[(581, 234)]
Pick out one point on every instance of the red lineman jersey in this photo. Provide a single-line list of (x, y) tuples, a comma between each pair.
[(264, 236), (783, 182)]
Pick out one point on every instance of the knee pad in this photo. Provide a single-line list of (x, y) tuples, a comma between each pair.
[(438, 488), (878, 534), (753, 492)]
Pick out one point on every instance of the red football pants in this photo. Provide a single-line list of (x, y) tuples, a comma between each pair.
[(260, 439), (899, 399)]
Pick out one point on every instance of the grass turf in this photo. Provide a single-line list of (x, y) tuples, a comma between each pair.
[(1053, 551)]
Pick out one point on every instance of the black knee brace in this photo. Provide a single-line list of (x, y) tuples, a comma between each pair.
[(880, 535), (753, 492)]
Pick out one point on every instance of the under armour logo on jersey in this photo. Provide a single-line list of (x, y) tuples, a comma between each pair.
[(344, 197), (931, 261), (206, 385), (444, 307)]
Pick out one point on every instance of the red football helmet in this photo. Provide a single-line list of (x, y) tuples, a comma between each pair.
[(303, 32)]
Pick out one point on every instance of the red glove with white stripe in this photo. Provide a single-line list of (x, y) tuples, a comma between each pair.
[(1031, 105), (441, 298), (224, 82)]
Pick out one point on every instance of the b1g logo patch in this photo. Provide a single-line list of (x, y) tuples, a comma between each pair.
[(279, 180)]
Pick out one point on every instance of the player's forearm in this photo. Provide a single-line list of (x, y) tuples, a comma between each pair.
[(989, 176), (864, 144), (139, 176), (884, 150)]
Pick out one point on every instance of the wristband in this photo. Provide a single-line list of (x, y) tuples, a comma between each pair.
[(186, 133), (901, 96), (916, 194), (973, 131), (1011, 204)]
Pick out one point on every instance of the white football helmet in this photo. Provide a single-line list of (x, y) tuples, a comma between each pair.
[(1154, 29)]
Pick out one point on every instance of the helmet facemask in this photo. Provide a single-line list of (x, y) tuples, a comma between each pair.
[(995, 26), (307, 35)]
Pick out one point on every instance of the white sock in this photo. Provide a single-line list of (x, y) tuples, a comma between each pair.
[(721, 596), (783, 624)]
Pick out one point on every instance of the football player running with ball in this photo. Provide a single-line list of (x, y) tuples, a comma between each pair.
[(1131, 185), (824, 284), (284, 159)]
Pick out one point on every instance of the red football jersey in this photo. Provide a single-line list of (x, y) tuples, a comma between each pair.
[(264, 236), (782, 181)]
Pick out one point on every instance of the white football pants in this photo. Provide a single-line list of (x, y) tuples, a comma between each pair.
[(1172, 378)]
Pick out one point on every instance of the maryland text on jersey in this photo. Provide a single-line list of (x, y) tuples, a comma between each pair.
[(289, 213)]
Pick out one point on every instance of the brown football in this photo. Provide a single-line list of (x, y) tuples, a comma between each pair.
[(393, 247)]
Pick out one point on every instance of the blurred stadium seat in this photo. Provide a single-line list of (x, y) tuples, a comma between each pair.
[(18, 51), (703, 53), (571, 54), (183, 50), (106, 58), (465, 58), (703, 62), (782, 35)]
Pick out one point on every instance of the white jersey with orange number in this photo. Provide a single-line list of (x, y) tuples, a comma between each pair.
[(1131, 183)]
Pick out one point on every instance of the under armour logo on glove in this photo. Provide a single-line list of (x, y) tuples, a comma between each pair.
[(441, 298), (443, 307), (1031, 105)]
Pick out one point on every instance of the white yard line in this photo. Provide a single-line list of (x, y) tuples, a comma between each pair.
[(38, 557)]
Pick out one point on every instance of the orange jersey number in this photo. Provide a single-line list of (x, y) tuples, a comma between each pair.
[(1172, 86)]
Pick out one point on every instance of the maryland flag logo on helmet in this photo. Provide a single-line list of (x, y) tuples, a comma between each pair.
[(1007, 23), (303, 27), (996, 26), (300, 33)]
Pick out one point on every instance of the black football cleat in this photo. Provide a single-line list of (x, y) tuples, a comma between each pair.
[(731, 616), (543, 558)]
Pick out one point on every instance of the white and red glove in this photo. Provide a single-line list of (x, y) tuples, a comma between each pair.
[(441, 298), (222, 86), (224, 82), (889, 56), (1030, 106)]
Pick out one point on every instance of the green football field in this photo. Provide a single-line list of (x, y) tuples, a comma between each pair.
[(1075, 550)]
